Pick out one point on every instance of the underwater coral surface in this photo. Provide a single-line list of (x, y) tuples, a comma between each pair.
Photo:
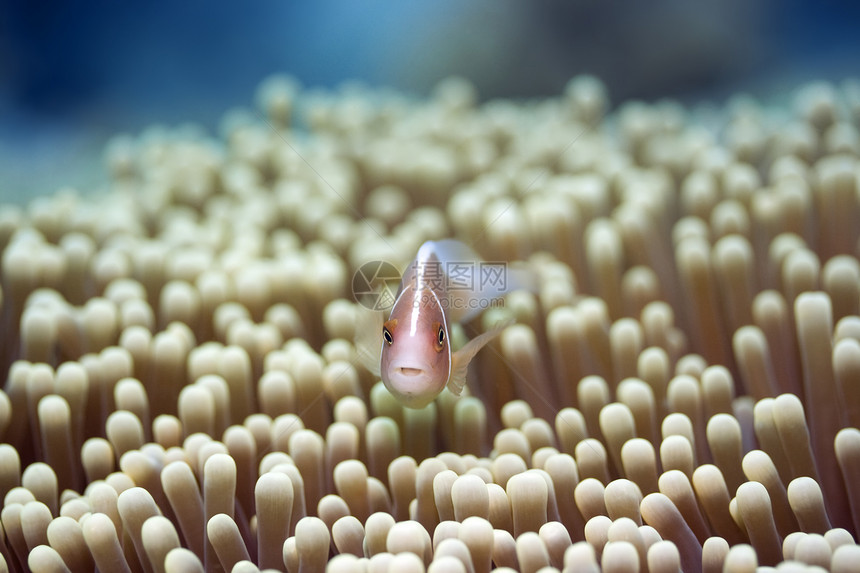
[(678, 391)]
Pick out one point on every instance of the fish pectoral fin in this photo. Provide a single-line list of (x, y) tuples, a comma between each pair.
[(368, 338), (461, 358)]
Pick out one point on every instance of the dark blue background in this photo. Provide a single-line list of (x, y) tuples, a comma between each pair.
[(73, 73)]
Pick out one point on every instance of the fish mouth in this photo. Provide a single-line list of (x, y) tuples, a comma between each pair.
[(410, 368), (410, 372)]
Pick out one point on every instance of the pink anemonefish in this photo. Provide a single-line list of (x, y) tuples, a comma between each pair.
[(446, 283)]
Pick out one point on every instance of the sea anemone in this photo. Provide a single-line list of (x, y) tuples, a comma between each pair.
[(681, 389)]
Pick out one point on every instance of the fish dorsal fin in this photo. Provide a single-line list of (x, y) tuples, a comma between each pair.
[(472, 282), (460, 359), (368, 338)]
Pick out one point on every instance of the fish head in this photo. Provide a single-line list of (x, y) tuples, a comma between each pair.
[(416, 355)]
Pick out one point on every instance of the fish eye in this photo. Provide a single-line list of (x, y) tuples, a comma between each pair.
[(386, 334), (441, 337)]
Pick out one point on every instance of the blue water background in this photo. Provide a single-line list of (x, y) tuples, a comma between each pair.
[(74, 73)]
